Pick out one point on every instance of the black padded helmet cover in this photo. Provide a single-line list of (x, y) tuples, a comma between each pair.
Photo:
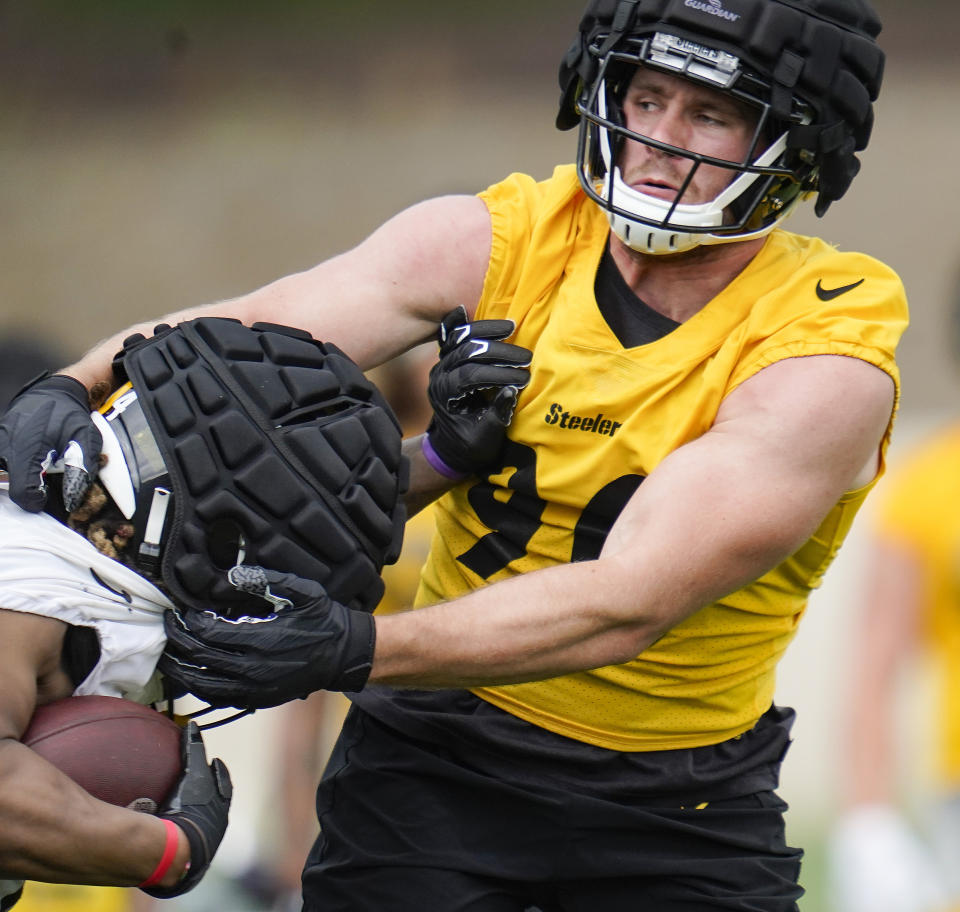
[(822, 51), (268, 433)]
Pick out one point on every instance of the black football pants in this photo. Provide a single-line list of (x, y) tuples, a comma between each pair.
[(408, 826)]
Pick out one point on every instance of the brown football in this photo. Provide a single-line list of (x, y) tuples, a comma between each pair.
[(119, 751)]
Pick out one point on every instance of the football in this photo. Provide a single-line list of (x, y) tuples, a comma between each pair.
[(119, 751)]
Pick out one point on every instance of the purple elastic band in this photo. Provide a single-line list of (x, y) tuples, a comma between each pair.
[(437, 463)]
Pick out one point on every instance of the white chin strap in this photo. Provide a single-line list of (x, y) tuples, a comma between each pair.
[(644, 236)]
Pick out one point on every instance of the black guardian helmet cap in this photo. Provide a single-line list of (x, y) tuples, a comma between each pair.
[(811, 68), (253, 445)]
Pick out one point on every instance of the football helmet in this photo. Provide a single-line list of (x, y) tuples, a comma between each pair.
[(810, 69), (227, 444)]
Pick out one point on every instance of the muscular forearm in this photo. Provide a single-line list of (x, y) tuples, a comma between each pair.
[(662, 561), (51, 830), (564, 619), (570, 617)]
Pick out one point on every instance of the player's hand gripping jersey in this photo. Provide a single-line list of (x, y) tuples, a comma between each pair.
[(597, 418)]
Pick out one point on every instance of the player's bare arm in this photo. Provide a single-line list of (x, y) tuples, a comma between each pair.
[(50, 828), (374, 301), (716, 514)]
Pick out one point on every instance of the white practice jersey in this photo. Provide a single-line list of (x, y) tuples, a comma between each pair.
[(45, 568)]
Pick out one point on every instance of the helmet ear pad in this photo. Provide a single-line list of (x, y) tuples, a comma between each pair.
[(279, 452)]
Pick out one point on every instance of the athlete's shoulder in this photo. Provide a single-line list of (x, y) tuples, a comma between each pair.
[(816, 274), (815, 255), (538, 225), (522, 193), (562, 181)]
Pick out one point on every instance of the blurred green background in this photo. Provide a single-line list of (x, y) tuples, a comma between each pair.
[(158, 154)]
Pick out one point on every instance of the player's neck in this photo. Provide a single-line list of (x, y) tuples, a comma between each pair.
[(679, 285)]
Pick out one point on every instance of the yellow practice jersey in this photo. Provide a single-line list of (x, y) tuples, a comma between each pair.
[(597, 418), (918, 509)]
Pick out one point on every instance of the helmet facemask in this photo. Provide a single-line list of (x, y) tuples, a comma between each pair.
[(135, 477), (128, 511), (764, 186)]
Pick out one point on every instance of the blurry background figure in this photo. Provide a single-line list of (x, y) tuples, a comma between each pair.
[(896, 846)]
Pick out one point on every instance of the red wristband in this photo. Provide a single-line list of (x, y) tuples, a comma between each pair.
[(169, 853)]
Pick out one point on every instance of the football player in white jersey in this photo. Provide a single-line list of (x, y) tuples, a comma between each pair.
[(74, 621), (83, 593)]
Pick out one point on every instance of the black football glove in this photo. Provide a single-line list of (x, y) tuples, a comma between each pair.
[(308, 643), (199, 805), (49, 419), (473, 391)]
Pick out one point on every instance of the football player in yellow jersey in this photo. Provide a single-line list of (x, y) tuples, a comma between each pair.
[(887, 859), (579, 713)]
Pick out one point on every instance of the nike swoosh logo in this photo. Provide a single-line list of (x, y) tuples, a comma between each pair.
[(828, 294)]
